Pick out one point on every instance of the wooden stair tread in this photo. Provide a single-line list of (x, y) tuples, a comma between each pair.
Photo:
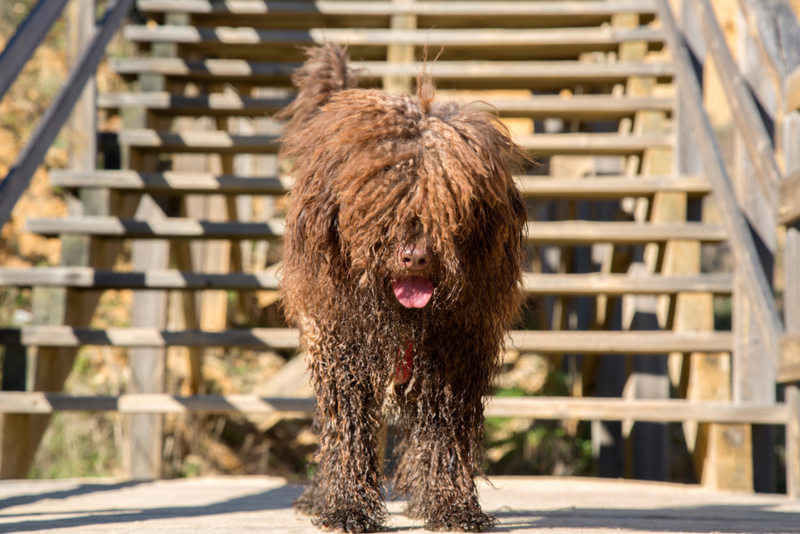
[(460, 9), (179, 183), (587, 107), (540, 144), (606, 409), (198, 141), (590, 342), (468, 74), (356, 37), (168, 279), (550, 232)]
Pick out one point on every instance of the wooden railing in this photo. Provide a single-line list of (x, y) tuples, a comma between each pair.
[(14, 57)]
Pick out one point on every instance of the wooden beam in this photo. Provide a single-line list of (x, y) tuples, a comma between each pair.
[(554, 232), (590, 342), (742, 245), (789, 199), (199, 141), (535, 407), (180, 183), (793, 442), (396, 36), (530, 74), (540, 8)]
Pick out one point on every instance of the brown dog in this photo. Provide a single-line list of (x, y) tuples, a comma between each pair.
[(402, 258)]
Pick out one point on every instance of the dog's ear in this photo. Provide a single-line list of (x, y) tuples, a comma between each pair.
[(312, 226)]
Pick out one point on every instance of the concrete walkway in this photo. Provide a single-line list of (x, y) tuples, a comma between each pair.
[(238, 505)]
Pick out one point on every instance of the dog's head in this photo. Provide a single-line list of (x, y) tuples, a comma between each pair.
[(410, 199)]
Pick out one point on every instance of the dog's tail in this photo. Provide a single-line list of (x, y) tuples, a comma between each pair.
[(324, 73)]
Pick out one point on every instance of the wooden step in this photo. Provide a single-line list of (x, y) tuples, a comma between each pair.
[(495, 14), (180, 183), (592, 143), (216, 141), (586, 107), (570, 341), (534, 284), (371, 43), (172, 182), (587, 409), (547, 232), (199, 141), (210, 104), (496, 8), (452, 74)]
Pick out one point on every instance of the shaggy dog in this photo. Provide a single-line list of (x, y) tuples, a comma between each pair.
[(402, 255)]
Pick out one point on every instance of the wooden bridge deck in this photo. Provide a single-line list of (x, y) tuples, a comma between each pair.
[(263, 504)]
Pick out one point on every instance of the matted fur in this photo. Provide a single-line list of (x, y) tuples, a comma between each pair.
[(375, 172)]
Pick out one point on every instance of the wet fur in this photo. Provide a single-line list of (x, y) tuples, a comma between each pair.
[(376, 171)]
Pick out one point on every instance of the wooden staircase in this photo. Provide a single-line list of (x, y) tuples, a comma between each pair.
[(622, 217)]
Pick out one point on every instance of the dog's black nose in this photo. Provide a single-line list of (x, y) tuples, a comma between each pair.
[(414, 257)]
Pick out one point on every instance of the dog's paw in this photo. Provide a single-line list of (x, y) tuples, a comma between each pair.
[(353, 521), (460, 519), (310, 502)]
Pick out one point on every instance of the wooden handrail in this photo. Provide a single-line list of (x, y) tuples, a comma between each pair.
[(28, 36), (18, 178), (742, 244), (757, 141)]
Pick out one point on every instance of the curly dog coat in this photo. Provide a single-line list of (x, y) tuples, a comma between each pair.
[(402, 256)]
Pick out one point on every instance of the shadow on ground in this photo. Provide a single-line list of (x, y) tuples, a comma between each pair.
[(734, 519)]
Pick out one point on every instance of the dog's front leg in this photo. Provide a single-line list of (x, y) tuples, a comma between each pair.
[(348, 481), (441, 456)]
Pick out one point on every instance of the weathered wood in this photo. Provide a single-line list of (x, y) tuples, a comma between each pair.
[(789, 199), (789, 370), (504, 74), (569, 284), (199, 141), (792, 395), (461, 9), (554, 232), (180, 183), (175, 182), (592, 107), (641, 342), (740, 99), (20, 174), (597, 143), (536, 407), (478, 37), (207, 104), (742, 244), (26, 39)]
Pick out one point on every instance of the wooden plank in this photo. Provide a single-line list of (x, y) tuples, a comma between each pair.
[(742, 245), (207, 104), (540, 144), (789, 370), (789, 199), (536, 407), (179, 183), (26, 39), (198, 141), (746, 114), (555, 232), (20, 174), (174, 182), (350, 37), (590, 342), (793, 442), (170, 228), (593, 107), (460, 9), (467, 74), (534, 284), (593, 143)]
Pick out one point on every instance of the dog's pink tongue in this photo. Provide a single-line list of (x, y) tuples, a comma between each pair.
[(413, 291)]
